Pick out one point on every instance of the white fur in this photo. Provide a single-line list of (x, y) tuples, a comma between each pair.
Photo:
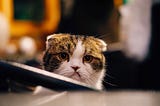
[(50, 36), (85, 73), (76, 59), (103, 45)]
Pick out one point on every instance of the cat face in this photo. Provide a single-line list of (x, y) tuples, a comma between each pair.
[(76, 57)]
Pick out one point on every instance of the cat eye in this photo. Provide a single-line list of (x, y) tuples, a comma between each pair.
[(87, 58), (63, 56)]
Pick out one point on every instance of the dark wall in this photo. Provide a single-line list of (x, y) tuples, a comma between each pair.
[(129, 74), (150, 68), (87, 17)]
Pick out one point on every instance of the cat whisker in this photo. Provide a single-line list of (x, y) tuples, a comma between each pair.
[(103, 36), (89, 81), (92, 79), (84, 76), (109, 76), (110, 83)]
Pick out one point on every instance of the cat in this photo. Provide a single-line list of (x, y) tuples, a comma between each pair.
[(76, 56)]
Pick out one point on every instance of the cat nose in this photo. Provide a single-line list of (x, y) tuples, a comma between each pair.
[(75, 68)]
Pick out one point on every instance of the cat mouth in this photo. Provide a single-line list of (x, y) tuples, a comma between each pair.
[(76, 76)]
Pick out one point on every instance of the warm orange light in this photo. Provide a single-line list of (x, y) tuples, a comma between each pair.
[(118, 3), (23, 27)]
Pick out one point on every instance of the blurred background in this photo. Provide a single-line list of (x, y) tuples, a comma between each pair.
[(131, 28)]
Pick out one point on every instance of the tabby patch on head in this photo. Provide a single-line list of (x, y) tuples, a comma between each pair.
[(77, 57)]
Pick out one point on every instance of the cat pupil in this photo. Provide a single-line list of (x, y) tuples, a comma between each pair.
[(87, 58), (64, 55)]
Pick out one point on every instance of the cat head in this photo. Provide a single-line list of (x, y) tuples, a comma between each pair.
[(77, 57)]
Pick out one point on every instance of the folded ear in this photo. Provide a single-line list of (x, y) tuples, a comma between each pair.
[(103, 45), (49, 38)]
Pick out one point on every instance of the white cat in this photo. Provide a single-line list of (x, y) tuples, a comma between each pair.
[(77, 57)]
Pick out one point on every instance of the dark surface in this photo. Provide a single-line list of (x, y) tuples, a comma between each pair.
[(15, 78)]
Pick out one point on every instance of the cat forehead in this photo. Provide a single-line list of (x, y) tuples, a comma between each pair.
[(86, 40)]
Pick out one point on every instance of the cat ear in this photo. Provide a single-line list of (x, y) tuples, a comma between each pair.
[(103, 45), (51, 36), (47, 41)]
